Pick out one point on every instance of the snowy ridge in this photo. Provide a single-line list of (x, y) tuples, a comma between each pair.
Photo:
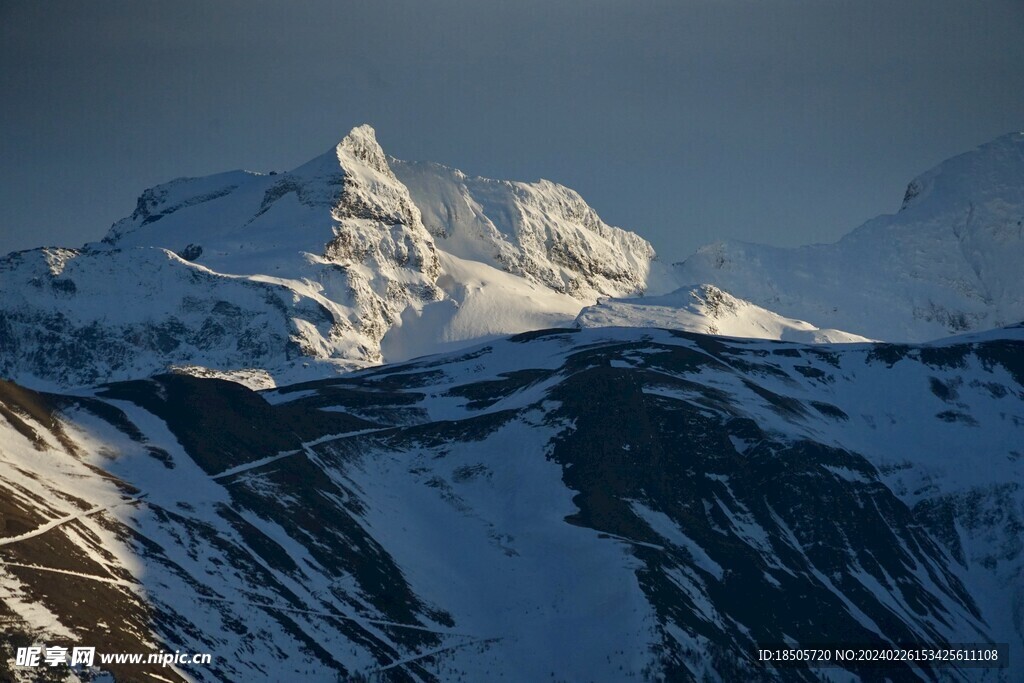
[(706, 309), (66, 321), (948, 262), (542, 231)]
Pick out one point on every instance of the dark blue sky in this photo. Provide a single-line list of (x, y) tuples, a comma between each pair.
[(778, 121)]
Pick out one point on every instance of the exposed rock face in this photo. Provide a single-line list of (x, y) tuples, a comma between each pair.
[(542, 231), (388, 258)]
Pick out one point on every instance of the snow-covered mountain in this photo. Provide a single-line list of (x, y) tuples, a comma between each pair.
[(599, 504), (706, 309), (951, 260), (542, 231), (274, 277), (357, 258)]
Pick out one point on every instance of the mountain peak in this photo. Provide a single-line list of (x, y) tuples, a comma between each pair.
[(361, 144), (993, 169)]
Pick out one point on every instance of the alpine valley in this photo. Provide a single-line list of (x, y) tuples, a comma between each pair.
[(372, 419)]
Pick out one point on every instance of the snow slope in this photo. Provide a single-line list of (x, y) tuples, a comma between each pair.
[(708, 310), (948, 262), (481, 302)]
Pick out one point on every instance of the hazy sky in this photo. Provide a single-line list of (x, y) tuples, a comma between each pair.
[(778, 121)]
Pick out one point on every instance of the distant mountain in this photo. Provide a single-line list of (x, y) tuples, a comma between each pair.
[(950, 261), (274, 277), (599, 505)]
